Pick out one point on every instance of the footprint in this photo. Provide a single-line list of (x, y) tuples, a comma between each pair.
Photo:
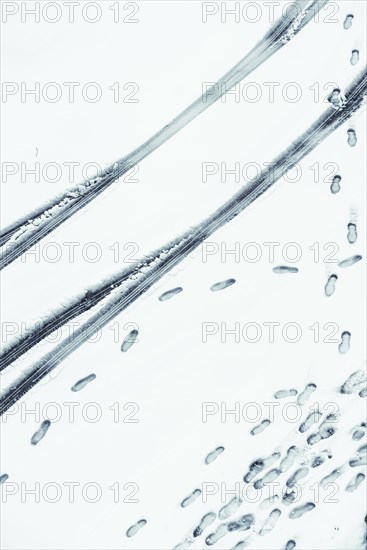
[(335, 185), (353, 382), (352, 233), (336, 98), (136, 527), (222, 285), (271, 476), (348, 21), (260, 427), (290, 545), (300, 510), (330, 285), (170, 294), (355, 482), (288, 460), (282, 269), (312, 418), (358, 434), (259, 465), (41, 432), (298, 474), (344, 345), (213, 455), (191, 498), (355, 57), (229, 508), (317, 461), (305, 395), (281, 394), (289, 497), (327, 428), (206, 520), (217, 535), (359, 461), (350, 261), (330, 478), (270, 522), (129, 340), (352, 137), (83, 382), (314, 438), (241, 524)]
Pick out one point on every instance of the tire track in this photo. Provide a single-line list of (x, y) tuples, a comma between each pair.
[(31, 228), (177, 250)]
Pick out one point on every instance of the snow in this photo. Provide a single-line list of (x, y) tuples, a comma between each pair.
[(137, 432)]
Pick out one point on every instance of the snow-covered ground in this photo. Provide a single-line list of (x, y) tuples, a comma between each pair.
[(136, 437)]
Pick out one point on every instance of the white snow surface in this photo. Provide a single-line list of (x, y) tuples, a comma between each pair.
[(164, 380)]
